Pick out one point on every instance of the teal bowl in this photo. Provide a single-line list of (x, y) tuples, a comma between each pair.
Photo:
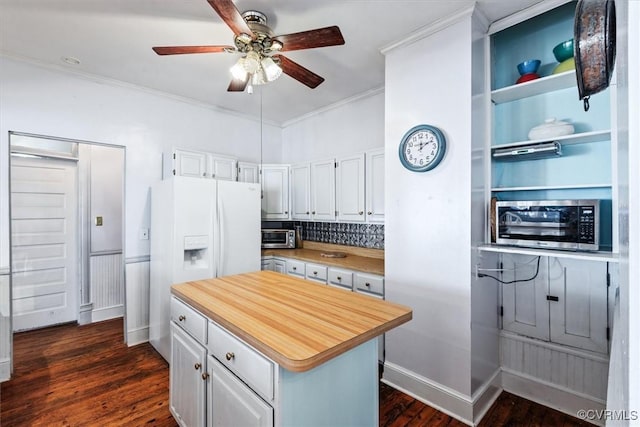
[(564, 50)]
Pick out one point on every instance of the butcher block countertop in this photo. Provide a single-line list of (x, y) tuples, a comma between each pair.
[(358, 259), (295, 322)]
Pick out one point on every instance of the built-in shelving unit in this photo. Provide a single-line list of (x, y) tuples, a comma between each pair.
[(534, 87), (576, 138)]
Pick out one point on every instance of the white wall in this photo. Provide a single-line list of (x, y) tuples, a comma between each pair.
[(428, 219), (49, 102), (342, 130)]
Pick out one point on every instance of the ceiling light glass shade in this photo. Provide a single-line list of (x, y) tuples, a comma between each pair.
[(252, 62), (276, 45), (238, 72), (271, 70), (258, 78)]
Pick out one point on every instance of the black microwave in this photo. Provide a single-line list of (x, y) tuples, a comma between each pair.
[(278, 238), (553, 224)]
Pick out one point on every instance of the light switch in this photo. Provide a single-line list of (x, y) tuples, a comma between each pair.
[(98, 221)]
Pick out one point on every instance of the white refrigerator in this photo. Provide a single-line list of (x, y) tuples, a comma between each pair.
[(200, 228)]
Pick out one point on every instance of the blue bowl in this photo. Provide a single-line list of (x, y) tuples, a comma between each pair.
[(564, 50), (528, 66)]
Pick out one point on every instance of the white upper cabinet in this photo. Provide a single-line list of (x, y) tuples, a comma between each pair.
[(248, 172), (323, 195), (275, 191), (186, 163), (350, 188), (300, 187), (220, 167), (375, 185)]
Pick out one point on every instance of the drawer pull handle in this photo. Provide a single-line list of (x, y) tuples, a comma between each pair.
[(367, 284), (369, 213), (339, 278), (294, 268), (360, 213), (205, 376), (314, 212), (230, 355), (197, 366), (286, 212), (307, 212), (315, 273), (182, 318)]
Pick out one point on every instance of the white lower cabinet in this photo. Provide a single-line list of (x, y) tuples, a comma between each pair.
[(232, 403), (316, 272), (279, 266), (187, 379), (340, 278), (566, 302)]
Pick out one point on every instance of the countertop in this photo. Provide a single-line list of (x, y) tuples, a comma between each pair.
[(353, 261), (295, 322)]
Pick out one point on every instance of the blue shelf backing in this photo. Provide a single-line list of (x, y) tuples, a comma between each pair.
[(532, 39)]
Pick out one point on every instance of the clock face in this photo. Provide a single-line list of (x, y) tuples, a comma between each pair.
[(422, 148)]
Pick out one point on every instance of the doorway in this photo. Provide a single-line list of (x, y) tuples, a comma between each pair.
[(67, 231)]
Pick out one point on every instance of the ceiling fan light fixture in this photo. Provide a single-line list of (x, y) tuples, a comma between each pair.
[(275, 45), (238, 70), (252, 62), (271, 70), (259, 78)]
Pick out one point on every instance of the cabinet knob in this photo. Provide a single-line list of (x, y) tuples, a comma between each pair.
[(197, 366), (367, 284), (315, 273), (369, 213), (204, 174), (205, 376), (339, 278), (307, 212), (294, 268), (313, 212), (230, 355), (286, 212), (360, 213), (182, 318)]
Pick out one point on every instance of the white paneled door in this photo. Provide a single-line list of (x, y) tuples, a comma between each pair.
[(43, 242)]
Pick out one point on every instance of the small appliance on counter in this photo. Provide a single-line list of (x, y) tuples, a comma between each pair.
[(278, 238), (551, 224)]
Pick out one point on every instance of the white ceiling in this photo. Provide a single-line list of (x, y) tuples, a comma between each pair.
[(113, 40)]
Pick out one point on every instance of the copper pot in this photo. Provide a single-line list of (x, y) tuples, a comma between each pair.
[(595, 46)]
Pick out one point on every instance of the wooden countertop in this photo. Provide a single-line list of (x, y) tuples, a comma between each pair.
[(295, 322), (351, 261)]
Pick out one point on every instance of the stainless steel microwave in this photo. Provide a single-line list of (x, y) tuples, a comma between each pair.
[(278, 238), (555, 224)]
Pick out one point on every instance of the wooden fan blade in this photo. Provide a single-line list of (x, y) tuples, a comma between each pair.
[(321, 37), (237, 85), (231, 16), (298, 72), (179, 50)]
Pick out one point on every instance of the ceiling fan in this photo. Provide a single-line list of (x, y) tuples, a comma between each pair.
[(261, 62)]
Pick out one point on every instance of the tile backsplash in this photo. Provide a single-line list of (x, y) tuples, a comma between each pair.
[(362, 235)]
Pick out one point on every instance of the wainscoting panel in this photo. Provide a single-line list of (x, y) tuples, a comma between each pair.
[(137, 325), (579, 372), (5, 328), (106, 284)]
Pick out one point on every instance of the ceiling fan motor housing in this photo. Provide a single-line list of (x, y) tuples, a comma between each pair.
[(263, 42)]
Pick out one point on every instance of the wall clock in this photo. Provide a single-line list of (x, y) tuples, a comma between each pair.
[(422, 148)]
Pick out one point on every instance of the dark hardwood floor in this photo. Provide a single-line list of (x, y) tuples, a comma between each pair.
[(73, 375)]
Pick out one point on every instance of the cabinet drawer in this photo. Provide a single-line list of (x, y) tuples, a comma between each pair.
[(369, 283), (295, 268), (242, 360), (316, 272), (340, 277), (189, 320)]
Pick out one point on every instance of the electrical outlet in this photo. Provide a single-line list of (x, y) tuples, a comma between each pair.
[(144, 234)]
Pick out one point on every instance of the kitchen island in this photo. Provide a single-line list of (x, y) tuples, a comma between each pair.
[(277, 350)]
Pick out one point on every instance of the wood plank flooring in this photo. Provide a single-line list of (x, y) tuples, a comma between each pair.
[(73, 375)]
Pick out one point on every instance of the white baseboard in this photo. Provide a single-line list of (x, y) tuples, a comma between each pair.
[(137, 336), (84, 316), (486, 395), (548, 394), (5, 370), (435, 395), (100, 314)]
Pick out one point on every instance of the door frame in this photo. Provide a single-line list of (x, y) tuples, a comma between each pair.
[(83, 284)]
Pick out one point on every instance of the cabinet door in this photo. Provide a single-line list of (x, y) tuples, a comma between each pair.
[(190, 163), (223, 168), (232, 402), (279, 266), (323, 190), (187, 386), (350, 188), (248, 172), (275, 192), (524, 304), (266, 263), (374, 185), (300, 185), (579, 317)]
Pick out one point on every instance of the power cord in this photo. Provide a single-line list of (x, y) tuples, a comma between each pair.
[(514, 281)]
